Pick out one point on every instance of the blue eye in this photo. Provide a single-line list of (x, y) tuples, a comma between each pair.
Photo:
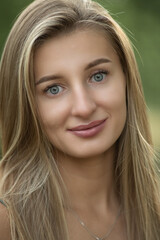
[(54, 90), (98, 77)]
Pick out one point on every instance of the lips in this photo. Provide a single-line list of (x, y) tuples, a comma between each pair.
[(88, 126), (88, 130)]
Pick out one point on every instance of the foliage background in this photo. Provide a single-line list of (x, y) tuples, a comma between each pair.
[(141, 21)]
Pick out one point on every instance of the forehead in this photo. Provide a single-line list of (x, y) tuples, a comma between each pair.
[(78, 47), (77, 36)]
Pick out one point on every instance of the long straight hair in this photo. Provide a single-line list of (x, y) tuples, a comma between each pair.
[(31, 184)]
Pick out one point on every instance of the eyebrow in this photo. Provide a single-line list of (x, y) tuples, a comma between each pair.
[(90, 65)]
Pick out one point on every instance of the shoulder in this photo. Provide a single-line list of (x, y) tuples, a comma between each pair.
[(5, 231)]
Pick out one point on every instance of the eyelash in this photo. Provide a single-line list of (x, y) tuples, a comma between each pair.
[(99, 72), (91, 76)]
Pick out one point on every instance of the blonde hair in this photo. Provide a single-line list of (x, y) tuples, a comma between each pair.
[(31, 185)]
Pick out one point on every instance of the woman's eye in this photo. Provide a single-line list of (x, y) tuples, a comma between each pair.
[(98, 77), (54, 90)]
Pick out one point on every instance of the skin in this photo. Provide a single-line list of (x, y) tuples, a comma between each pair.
[(86, 163), (5, 231)]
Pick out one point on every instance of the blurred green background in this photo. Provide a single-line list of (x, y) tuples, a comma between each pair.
[(141, 21)]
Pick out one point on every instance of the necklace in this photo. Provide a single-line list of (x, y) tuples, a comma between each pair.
[(90, 232)]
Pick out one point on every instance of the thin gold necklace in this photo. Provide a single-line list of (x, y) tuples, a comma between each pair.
[(90, 232)]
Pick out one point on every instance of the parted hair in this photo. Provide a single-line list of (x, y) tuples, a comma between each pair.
[(31, 185)]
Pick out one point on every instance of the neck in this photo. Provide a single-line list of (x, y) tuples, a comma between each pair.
[(90, 182)]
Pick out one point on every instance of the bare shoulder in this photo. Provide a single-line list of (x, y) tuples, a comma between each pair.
[(5, 232)]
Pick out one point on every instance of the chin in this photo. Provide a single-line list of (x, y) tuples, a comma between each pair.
[(90, 153)]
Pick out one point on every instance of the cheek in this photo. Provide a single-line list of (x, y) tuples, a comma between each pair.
[(117, 102), (118, 110), (53, 113), (113, 99)]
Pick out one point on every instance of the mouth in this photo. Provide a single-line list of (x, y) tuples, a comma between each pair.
[(88, 130)]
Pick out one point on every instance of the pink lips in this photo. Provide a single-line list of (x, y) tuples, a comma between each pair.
[(88, 130)]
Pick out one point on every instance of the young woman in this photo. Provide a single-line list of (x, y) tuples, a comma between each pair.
[(77, 153)]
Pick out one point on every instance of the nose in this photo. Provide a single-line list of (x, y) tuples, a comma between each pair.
[(83, 104)]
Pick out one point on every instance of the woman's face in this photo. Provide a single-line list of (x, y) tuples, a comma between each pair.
[(80, 92)]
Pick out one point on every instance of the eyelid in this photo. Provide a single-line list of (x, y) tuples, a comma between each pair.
[(50, 86), (103, 71), (99, 71), (53, 85)]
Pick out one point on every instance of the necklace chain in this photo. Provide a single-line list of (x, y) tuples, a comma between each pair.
[(90, 232)]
